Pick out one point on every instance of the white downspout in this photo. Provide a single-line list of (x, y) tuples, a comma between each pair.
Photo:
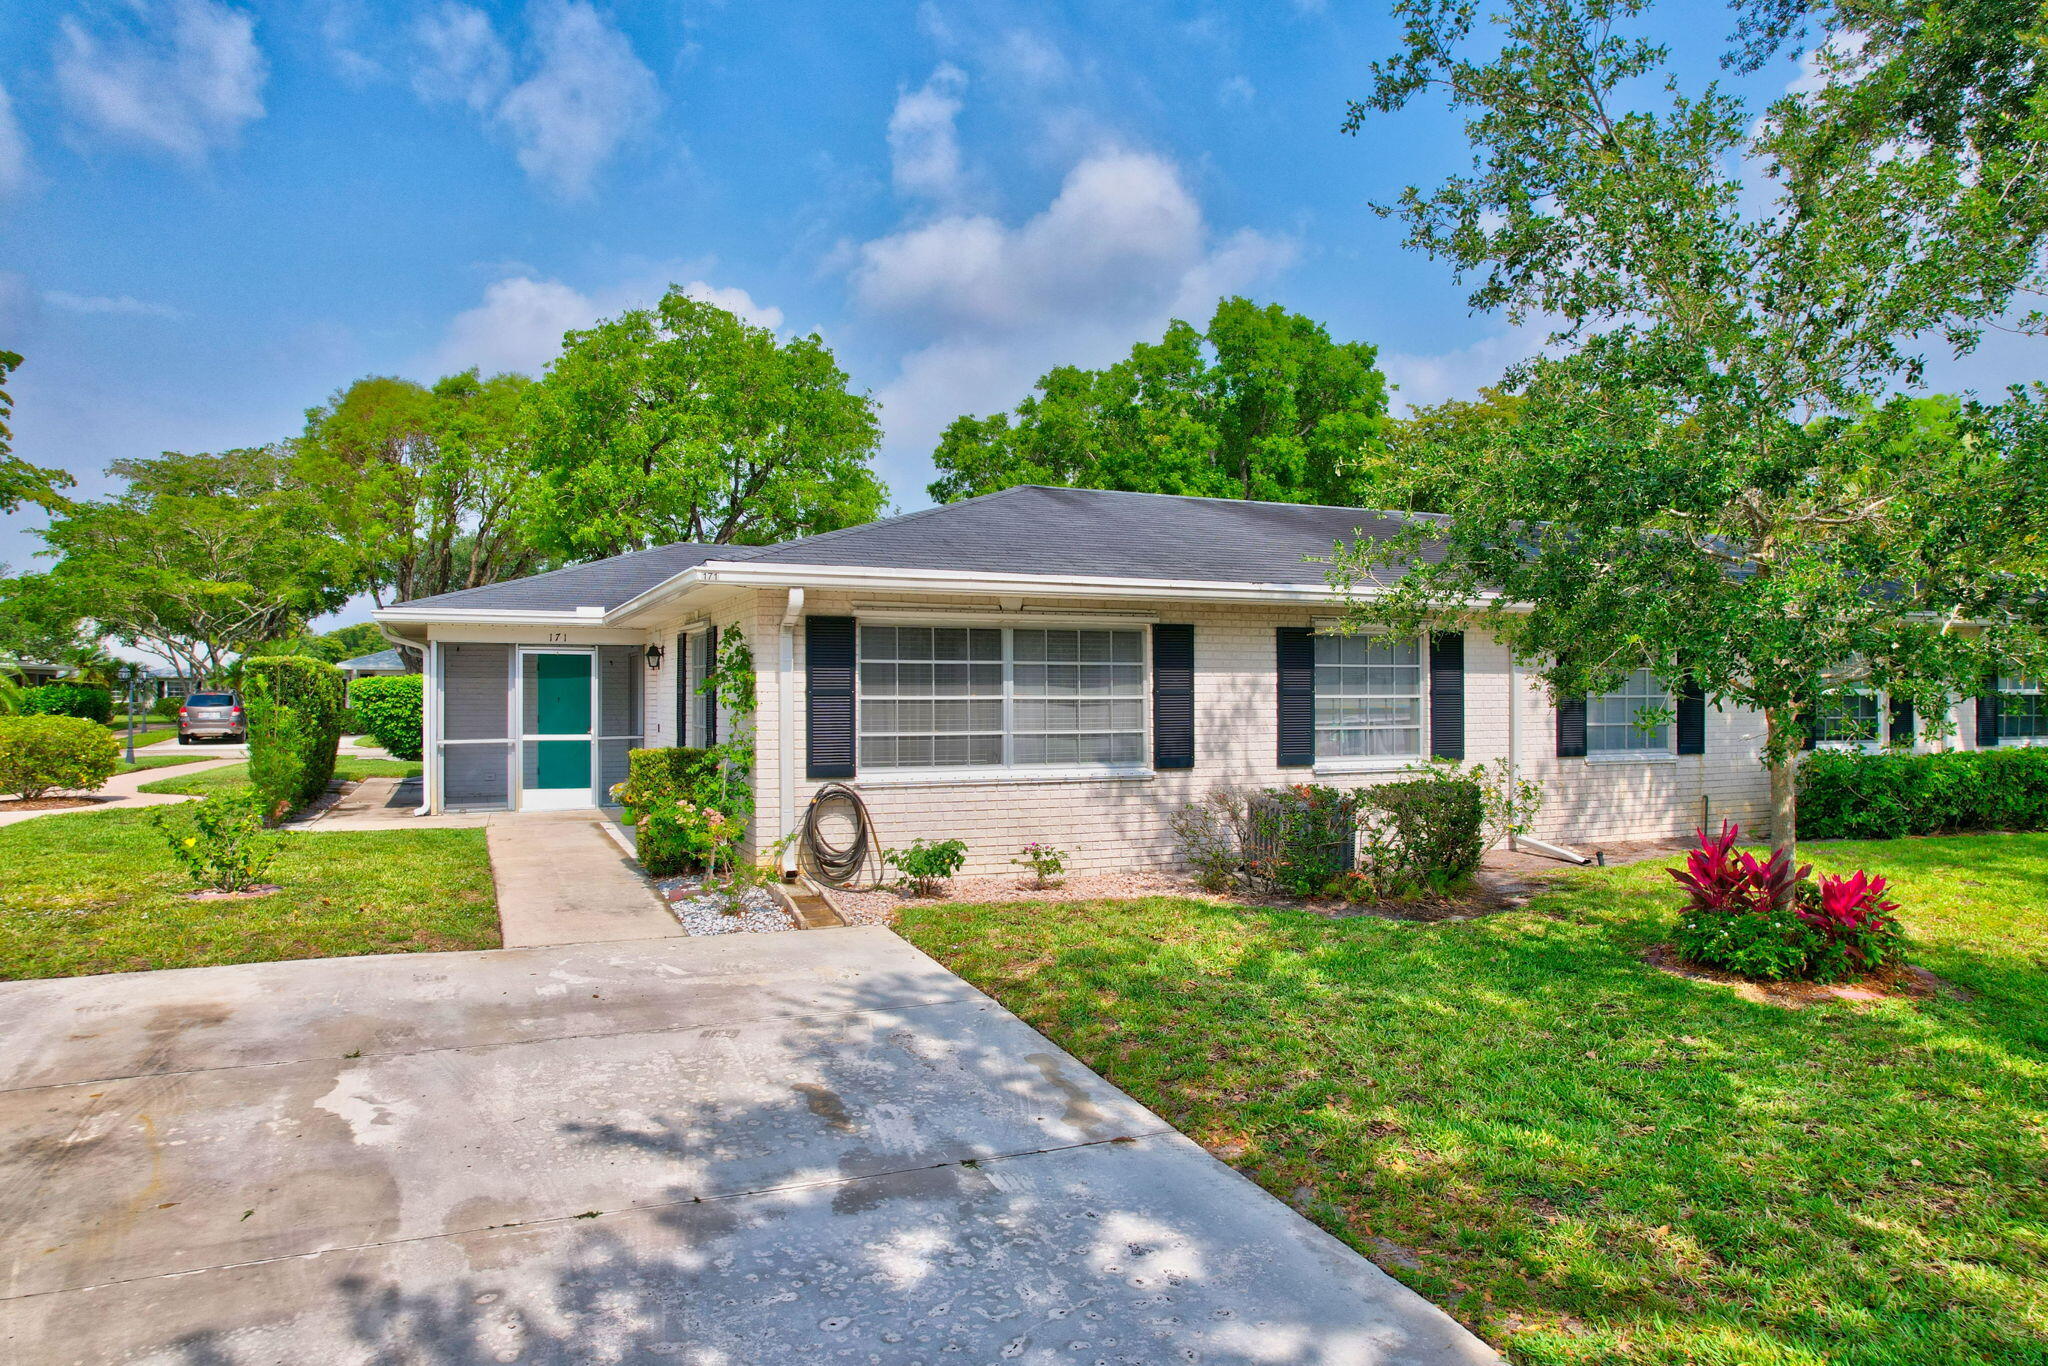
[(785, 727), (430, 729)]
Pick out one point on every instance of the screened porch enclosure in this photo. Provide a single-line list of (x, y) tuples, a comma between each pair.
[(529, 727)]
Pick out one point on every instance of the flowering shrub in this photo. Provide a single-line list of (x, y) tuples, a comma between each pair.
[(220, 841), (686, 835), (1044, 861), (1763, 918)]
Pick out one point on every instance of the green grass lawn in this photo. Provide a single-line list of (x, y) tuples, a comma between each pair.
[(237, 776), (143, 761), (1585, 1159), (98, 892)]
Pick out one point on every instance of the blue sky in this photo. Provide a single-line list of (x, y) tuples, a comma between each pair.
[(213, 214)]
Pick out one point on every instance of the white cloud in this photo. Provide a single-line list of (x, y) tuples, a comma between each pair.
[(587, 95), (987, 307), (183, 79), (462, 59), (519, 324), (121, 305), (1421, 380), (13, 148), (340, 23), (924, 149), (1236, 90)]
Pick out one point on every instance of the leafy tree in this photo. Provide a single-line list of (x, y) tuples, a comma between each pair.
[(1424, 448), (39, 624), (424, 482), (1261, 405), (343, 642), (682, 422), (21, 482), (200, 558), (1706, 480)]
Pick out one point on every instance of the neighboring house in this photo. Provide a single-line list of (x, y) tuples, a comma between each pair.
[(32, 674), (390, 661), (1049, 664)]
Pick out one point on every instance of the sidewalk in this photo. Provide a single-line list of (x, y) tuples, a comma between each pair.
[(121, 789)]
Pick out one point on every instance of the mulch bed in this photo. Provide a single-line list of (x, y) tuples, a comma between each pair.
[(46, 803), (1904, 982), (246, 894)]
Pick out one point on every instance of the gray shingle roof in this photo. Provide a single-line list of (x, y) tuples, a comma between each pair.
[(381, 661), (601, 583), (1024, 530), (1095, 532)]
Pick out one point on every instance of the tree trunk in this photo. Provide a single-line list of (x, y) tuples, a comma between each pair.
[(1784, 765)]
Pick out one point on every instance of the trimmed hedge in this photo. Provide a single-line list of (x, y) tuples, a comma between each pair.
[(40, 754), (68, 699), (1437, 823), (294, 706), (656, 779), (389, 708), (1884, 796)]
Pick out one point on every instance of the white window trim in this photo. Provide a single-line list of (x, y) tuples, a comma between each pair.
[(2019, 741), (1338, 765), (1880, 740), (985, 774)]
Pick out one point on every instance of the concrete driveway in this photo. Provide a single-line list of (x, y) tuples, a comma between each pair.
[(818, 1147)]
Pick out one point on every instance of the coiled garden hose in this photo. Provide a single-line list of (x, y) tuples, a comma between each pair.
[(838, 865)]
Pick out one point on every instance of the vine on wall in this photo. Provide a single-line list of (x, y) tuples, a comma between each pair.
[(732, 683)]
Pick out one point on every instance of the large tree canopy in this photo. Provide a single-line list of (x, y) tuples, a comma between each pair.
[(1262, 405), (683, 423), (1706, 478), (21, 482), (424, 483), (199, 558)]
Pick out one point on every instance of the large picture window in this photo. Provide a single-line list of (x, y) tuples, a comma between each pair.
[(1368, 697), (1615, 721), (992, 697), (2022, 712)]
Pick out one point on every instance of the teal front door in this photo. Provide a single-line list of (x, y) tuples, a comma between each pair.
[(558, 730)]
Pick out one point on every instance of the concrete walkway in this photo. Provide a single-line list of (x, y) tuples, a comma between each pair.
[(759, 1149), (121, 790), (562, 880)]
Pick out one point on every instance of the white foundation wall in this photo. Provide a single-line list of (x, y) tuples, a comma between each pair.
[(1109, 824)]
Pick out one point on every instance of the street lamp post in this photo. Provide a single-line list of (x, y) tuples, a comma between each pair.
[(128, 671)]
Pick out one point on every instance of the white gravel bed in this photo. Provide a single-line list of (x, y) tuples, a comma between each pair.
[(701, 913)]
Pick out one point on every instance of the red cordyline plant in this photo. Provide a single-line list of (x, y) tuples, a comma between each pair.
[(1720, 878), (1854, 903)]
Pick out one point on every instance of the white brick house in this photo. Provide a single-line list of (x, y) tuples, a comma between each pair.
[(1017, 667)]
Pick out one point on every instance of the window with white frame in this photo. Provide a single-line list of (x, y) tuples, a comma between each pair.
[(1368, 697), (1633, 719), (990, 697), (2022, 711), (1849, 719)]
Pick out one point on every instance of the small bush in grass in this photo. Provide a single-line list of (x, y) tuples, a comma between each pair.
[(1203, 836), (220, 841), (68, 699), (42, 754), (166, 708), (1763, 918), (1044, 861), (927, 864), (389, 708)]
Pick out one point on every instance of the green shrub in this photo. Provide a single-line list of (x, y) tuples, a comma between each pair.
[(41, 754), (1044, 861), (68, 699), (1204, 836), (1437, 825), (1846, 795), (659, 777), (683, 836), (166, 708), (351, 724), (1298, 839), (389, 708), (294, 705), (220, 841), (927, 863)]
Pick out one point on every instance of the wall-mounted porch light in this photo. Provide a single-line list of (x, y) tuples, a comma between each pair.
[(654, 656)]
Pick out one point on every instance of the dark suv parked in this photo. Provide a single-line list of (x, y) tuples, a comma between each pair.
[(212, 716)]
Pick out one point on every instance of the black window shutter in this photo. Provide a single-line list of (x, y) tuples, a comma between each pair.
[(708, 699), (1571, 727), (685, 652), (1447, 694), (1691, 723), (1173, 696), (1901, 731), (828, 696), (1987, 713), (1813, 727), (1294, 649)]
